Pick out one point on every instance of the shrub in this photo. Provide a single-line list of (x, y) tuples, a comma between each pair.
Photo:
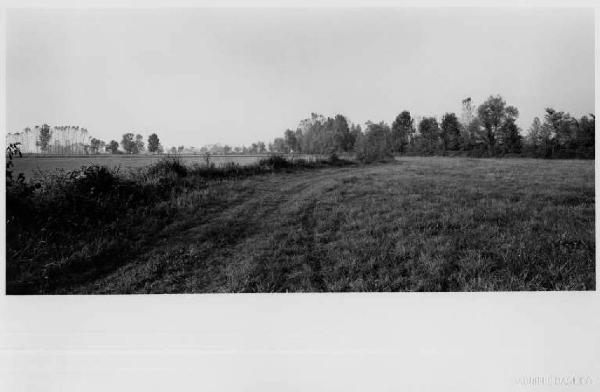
[(275, 161), (170, 166), (93, 179)]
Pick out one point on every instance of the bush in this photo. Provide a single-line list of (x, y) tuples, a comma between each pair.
[(93, 179), (171, 166), (275, 161)]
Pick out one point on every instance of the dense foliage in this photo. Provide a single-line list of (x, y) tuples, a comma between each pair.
[(490, 130)]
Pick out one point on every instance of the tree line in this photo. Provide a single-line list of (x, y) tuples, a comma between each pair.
[(134, 144), (489, 130)]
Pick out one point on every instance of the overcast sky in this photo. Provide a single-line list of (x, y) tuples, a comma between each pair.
[(235, 76)]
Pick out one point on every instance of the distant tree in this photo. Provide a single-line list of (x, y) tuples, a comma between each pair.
[(299, 140), (314, 135), (355, 133), (430, 133), (374, 144), (321, 135), (226, 149), (278, 146), (494, 114), (469, 126), (510, 138), (402, 132), (261, 148), (128, 143), (173, 150), (534, 134), (96, 145), (585, 136), (342, 139), (564, 127), (450, 132), (139, 143), (468, 114), (291, 141), (112, 147), (153, 143), (180, 149), (546, 147), (44, 138)]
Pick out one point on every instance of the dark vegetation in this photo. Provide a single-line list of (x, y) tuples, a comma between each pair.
[(489, 130), (74, 226)]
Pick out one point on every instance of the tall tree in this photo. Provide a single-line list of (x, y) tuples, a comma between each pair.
[(278, 146), (96, 145), (374, 144), (342, 140), (534, 134), (128, 143), (314, 140), (469, 125), (290, 140), (585, 134), (510, 138), (467, 115), (153, 143), (139, 143), (450, 132), (355, 133), (564, 127), (494, 114), (546, 147), (112, 147), (299, 140), (402, 132), (429, 130), (260, 147), (44, 138)]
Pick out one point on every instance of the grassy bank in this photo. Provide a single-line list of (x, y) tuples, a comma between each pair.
[(420, 224), (74, 226)]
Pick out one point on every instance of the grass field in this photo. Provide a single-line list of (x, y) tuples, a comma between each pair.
[(417, 224)]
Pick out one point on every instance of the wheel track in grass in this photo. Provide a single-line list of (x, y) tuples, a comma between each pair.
[(247, 246), (273, 194)]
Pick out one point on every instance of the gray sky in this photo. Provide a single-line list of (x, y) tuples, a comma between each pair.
[(235, 76)]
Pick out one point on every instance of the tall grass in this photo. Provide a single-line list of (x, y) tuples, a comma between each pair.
[(70, 227)]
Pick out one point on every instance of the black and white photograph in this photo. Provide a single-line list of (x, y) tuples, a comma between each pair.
[(299, 196), (270, 150)]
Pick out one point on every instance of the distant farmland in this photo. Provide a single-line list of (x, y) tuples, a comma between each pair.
[(30, 164)]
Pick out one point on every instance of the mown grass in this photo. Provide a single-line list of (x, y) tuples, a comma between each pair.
[(419, 224)]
